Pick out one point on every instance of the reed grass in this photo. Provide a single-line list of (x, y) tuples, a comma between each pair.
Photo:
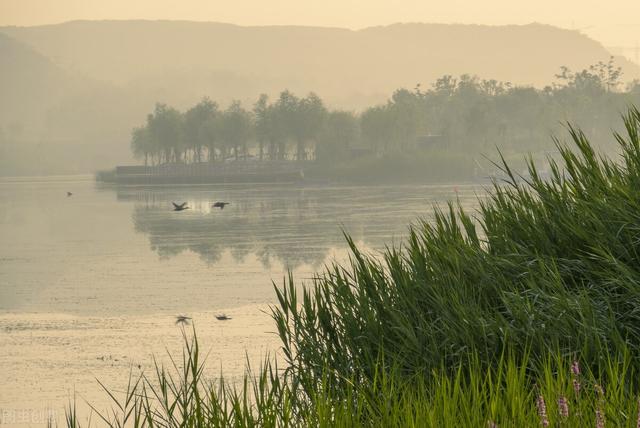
[(479, 319), (507, 394), (546, 263)]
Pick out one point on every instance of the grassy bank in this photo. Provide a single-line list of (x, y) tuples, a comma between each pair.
[(517, 392), (474, 321)]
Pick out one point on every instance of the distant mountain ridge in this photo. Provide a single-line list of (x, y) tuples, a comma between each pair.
[(350, 68)]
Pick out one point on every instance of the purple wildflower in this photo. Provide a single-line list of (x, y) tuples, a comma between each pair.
[(563, 407), (575, 368), (542, 411), (575, 371)]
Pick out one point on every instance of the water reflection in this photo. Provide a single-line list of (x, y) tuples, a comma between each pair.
[(289, 225), (110, 268)]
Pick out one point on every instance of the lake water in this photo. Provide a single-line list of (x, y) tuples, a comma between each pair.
[(90, 284)]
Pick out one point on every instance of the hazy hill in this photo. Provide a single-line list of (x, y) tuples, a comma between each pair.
[(29, 83), (351, 68), (52, 120)]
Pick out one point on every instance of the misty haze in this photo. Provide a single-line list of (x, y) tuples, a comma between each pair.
[(337, 215)]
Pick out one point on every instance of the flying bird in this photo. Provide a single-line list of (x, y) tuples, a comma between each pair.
[(220, 205), (69, 194), (222, 317), (182, 206), (182, 319)]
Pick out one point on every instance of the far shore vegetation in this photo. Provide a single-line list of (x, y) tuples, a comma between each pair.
[(435, 133), (524, 313)]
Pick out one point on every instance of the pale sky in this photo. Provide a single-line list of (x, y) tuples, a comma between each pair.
[(613, 22)]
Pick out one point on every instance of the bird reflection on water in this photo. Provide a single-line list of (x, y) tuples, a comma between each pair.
[(291, 226)]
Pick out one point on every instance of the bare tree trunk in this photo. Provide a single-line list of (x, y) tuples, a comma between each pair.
[(272, 150), (300, 149)]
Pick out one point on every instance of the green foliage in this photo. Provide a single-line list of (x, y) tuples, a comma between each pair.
[(545, 263)]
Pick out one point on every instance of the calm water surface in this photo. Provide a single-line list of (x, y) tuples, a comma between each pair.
[(90, 284)]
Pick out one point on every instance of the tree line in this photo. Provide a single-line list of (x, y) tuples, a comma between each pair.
[(206, 132), (458, 114)]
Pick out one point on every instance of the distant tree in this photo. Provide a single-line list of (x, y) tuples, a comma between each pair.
[(633, 87), (309, 117), (165, 132), (494, 88), (286, 119), (597, 77), (236, 128), (263, 123), (565, 76), (210, 135), (407, 115), (608, 74), (340, 131), (375, 124), (141, 144), (446, 85), (196, 134), (279, 131)]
